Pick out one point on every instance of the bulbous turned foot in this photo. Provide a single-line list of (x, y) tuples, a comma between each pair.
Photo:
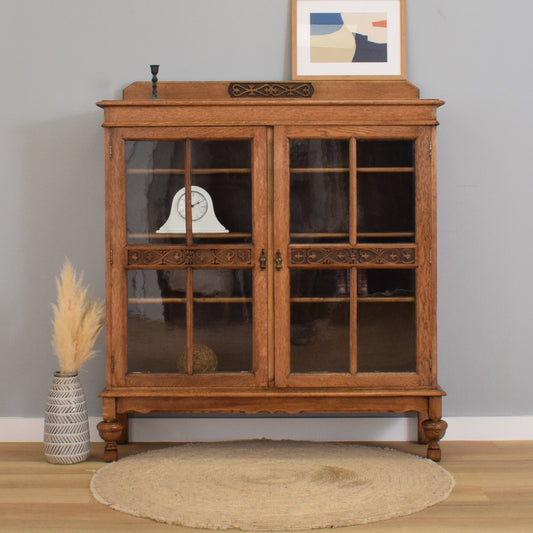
[(434, 430), (110, 431)]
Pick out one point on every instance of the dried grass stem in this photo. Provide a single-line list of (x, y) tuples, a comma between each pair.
[(77, 321)]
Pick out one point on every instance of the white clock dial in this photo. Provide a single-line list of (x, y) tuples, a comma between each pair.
[(199, 205), (203, 215)]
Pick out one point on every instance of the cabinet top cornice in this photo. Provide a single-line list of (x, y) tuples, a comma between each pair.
[(363, 103), (268, 93)]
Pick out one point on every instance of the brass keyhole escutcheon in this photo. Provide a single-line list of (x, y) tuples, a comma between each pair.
[(263, 260), (278, 260)]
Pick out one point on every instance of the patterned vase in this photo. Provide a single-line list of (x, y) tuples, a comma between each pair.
[(66, 422)]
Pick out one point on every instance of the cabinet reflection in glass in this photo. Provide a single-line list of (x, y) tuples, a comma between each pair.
[(386, 321), (320, 321), (160, 311)]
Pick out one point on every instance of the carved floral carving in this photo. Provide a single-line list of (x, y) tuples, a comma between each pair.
[(352, 256), (198, 257), (271, 90)]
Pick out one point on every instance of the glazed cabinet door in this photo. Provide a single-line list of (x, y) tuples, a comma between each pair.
[(353, 223), (188, 287)]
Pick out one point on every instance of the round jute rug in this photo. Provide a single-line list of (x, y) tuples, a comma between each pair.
[(271, 485)]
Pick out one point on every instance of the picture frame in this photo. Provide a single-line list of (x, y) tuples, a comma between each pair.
[(348, 39)]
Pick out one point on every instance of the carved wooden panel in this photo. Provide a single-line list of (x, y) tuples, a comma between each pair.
[(194, 257), (270, 90), (352, 256)]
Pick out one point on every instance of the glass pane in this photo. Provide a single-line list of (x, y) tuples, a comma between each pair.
[(319, 207), (150, 155), (325, 283), (386, 337), (221, 154), (385, 191), (386, 282), (224, 331), (319, 190), (386, 321), (385, 207), (223, 320), (156, 325), (154, 173), (231, 196), (320, 321), (385, 153), (319, 153), (222, 283), (320, 337), (222, 191)]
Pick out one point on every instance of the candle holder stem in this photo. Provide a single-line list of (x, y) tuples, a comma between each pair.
[(154, 70)]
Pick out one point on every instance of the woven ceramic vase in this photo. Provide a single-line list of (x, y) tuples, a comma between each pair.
[(66, 421)]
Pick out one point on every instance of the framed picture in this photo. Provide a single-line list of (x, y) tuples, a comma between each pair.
[(339, 39)]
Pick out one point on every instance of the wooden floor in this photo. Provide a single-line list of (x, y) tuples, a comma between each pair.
[(493, 493)]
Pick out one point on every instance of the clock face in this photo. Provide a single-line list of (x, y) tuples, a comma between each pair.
[(203, 215), (199, 205)]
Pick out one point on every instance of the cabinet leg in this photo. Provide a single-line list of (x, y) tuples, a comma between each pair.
[(434, 427), (421, 434), (110, 431), (123, 420), (434, 430)]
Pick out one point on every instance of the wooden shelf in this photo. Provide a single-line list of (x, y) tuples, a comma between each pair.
[(314, 300), (157, 300), (319, 235), (365, 235), (388, 235), (221, 171), (326, 170), (365, 299), (198, 300), (318, 170), (235, 235), (161, 236), (155, 171), (382, 170), (385, 299), (299, 300), (221, 300), (194, 171)]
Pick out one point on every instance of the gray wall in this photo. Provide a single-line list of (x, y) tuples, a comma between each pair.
[(60, 57)]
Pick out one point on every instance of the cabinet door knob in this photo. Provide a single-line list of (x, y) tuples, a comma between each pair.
[(278, 260), (263, 260)]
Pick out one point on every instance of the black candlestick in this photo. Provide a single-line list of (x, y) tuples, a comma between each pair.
[(154, 69)]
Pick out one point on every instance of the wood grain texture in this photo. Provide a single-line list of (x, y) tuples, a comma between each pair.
[(493, 492), (346, 110), (424, 233), (318, 255), (169, 113), (270, 90), (199, 257), (323, 90)]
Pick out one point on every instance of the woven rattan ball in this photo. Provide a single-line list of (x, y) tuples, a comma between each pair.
[(204, 359)]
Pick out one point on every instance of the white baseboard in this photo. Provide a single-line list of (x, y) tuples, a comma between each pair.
[(316, 429)]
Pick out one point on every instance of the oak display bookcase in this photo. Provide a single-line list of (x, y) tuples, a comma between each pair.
[(317, 291)]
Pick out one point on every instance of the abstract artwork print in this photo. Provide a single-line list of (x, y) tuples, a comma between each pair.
[(348, 37), (341, 39)]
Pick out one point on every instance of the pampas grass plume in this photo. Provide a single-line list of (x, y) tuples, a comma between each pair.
[(77, 321)]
